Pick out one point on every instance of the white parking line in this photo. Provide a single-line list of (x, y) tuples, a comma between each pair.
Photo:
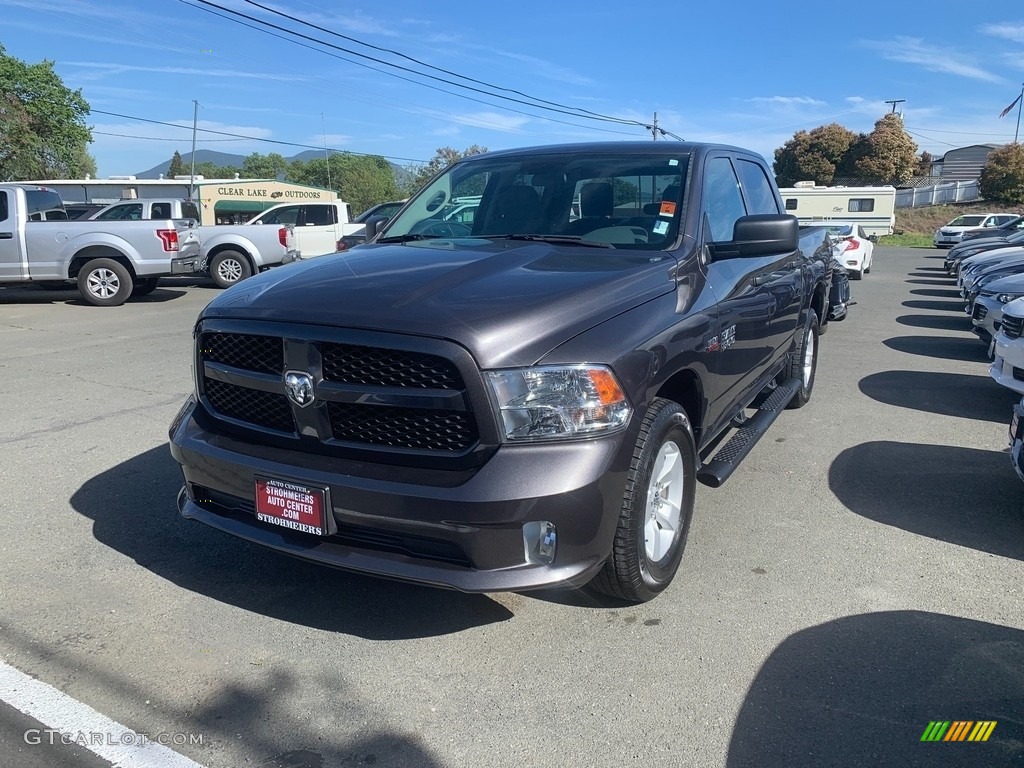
[(83, 725)]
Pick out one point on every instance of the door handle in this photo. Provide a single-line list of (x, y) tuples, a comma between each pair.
[(6, 235)]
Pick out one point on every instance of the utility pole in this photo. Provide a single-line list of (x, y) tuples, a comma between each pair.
[(195, 125), (654, 127), (327, 157), (894, 102), (1020, 103)]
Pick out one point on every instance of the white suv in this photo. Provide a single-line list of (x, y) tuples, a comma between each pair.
[(952, 233)]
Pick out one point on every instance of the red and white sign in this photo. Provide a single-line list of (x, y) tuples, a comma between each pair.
[(289, 505)]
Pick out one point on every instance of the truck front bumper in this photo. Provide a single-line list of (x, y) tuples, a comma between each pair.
[(464, 531)]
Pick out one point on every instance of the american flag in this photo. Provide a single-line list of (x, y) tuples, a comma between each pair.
[(1006, 111)]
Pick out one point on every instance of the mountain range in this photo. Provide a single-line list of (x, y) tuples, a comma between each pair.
[(227, 158)]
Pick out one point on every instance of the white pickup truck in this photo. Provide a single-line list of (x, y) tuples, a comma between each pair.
[(228, 252), (318, 226), (108, 263)]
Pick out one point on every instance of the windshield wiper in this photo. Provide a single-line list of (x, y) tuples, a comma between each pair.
[(407, 238), (555, 239)]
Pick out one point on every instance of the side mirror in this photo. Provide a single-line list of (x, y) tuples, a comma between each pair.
[(873, 238), (374, 225), (759, 235)]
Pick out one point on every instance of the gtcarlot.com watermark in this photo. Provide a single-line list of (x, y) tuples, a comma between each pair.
[(53, 736)]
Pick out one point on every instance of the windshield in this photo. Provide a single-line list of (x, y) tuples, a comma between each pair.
[(966, 221), (618, 199), (846, 229)]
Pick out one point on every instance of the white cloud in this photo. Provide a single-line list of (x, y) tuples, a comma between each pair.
[(913, 50), (492, 121), (788, 100), (1007, 30), (97, 70)]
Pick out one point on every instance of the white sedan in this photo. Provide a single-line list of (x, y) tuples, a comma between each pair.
[(852, 247)]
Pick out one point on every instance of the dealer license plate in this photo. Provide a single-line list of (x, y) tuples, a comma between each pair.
[(291, 505)]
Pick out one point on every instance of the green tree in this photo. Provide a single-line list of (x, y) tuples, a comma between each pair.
[(43, 119), (1002, 178), (889, 155), (813, 155), (360, 180), (257, 166), (924, 164), (445, 156), (177, 167)]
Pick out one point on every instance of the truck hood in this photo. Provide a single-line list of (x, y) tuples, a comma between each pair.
[(507, 302)]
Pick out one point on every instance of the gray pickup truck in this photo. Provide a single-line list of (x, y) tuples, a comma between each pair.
[(228, 252), (109, 263), (521, 401)]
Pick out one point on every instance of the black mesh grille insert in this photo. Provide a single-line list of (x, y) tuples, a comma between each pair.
[(1012, 326), (980, 312), (263, 409), (242, 350), (402, 427), (353, 364)]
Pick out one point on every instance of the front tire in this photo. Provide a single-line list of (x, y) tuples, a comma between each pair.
[(657, 506), (228, 268), (804, 364), (105, 283)]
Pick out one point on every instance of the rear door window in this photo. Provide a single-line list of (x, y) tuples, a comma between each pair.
[(189, 210), (318, 215), (4, 208)]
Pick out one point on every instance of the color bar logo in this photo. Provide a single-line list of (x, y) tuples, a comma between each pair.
[(958, 730)]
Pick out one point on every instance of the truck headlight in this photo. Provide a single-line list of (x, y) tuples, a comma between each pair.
[(549, 402)]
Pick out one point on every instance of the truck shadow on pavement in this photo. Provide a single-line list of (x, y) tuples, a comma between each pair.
[(966, 348), (963, 496), (939, 322), (33, 295), (946, 394), (939, 293), (938, 306), (134, 512), (861, 690)]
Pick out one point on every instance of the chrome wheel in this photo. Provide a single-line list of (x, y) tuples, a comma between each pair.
[(103, 283), (664, 502), (229, 270)]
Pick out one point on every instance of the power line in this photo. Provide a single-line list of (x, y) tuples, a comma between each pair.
[(561, 109), (399, 77), (580, 110)]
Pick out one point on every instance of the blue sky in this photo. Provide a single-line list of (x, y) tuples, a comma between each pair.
[(746, 73)]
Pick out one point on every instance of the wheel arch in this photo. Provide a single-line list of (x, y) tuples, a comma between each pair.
[(90, 252), (241, 250), (686, 388)]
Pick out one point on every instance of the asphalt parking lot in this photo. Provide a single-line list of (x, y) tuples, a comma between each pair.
[(858, 577)]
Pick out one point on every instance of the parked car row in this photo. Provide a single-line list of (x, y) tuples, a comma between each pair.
[(990, 275), (973, 224)]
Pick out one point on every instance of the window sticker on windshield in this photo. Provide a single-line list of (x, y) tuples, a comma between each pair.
[(668, 208), (660, 227), (673, 162)]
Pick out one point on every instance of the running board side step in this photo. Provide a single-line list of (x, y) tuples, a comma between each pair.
[(716, 471)]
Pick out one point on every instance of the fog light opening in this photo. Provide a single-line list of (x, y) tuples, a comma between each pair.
[(540, 540)]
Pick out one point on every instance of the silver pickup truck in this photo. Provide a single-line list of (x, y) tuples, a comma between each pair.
[(109, 263), (228, 252)]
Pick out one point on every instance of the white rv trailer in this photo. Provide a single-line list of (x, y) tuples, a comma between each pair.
[(871, 207)]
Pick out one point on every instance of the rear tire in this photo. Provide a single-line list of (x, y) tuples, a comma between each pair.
[(228, 268), (657, 506), (804, 364), (105, 283)]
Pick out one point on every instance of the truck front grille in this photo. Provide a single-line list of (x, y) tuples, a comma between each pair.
[(242, 350), (353, 364), (391, 402), (1012, 326), (263, 409), (417, 428)]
